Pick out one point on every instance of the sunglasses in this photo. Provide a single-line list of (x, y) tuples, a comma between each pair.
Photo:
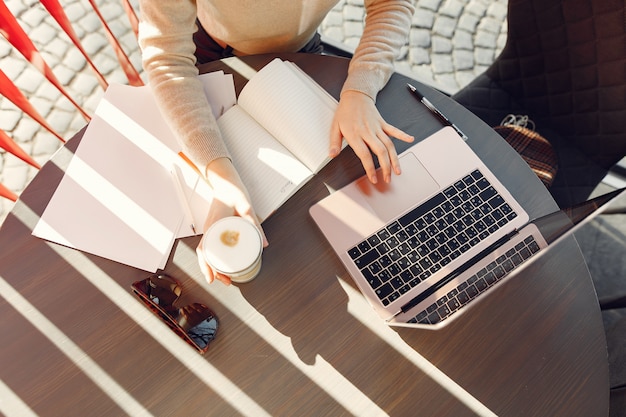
[(195, 323)]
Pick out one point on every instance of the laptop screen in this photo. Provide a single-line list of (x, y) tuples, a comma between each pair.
[(559, 223)]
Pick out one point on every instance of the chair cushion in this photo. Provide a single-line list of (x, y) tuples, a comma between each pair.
[(565, 64), (533, 148)]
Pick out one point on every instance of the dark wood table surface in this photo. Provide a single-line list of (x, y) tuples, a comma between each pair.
[(299, 340)]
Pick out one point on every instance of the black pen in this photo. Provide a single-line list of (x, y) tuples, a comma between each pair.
[(434, 109)]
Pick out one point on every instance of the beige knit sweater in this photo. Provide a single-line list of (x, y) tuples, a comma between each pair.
[(249, 27)]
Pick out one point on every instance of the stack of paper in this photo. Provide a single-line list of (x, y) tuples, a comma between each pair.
[(118, 198)]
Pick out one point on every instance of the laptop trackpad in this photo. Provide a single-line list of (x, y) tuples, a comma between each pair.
[(414, 185)]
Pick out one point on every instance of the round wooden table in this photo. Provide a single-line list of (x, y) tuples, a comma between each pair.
[(299, 339)]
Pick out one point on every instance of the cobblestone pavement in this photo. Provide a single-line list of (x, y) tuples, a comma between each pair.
[(451, 41)]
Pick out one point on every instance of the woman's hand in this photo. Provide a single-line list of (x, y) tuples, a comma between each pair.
[(358, 121), (230, 198)]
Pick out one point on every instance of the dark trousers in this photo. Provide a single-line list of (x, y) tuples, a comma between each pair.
[(208, 50)]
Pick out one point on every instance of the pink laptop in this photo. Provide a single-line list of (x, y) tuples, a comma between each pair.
[(438, 236)]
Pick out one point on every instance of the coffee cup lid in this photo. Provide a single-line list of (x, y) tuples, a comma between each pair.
[(232, 245)]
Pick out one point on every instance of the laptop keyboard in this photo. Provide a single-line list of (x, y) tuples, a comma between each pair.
[(468, 290), (411, 248)]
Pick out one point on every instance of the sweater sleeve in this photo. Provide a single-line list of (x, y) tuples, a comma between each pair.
[(387, 24), (166, 41)]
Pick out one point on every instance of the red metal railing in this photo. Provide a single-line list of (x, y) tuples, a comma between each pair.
[(15, 34)]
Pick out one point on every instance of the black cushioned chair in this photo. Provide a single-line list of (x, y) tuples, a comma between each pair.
[(564, 66)]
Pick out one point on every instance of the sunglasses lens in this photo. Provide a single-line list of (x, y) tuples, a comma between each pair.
[(204, 332), (162, 290), (199, 322)]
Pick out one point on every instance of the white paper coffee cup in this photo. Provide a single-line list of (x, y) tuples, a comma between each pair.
[(233, 246)]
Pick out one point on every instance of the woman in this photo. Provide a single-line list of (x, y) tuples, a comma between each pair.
[(175, 34)]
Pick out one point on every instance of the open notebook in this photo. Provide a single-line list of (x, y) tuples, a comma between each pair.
[(440, 236)]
